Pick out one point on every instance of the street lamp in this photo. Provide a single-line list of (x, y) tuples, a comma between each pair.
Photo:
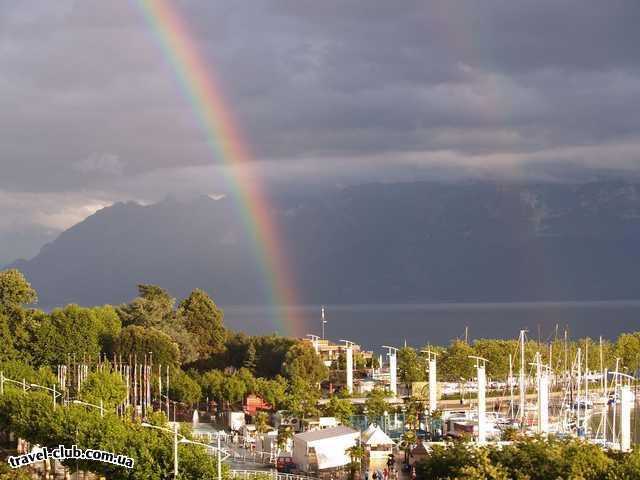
[(175, 442), (99, 407), (55, 392), (184, 439), (4, 379), (219, 460)]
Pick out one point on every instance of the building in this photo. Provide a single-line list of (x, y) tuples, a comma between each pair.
[(330, 352), (325, 449), (253, 403)]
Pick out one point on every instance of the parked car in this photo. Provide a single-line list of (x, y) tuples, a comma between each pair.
[(285, 464)]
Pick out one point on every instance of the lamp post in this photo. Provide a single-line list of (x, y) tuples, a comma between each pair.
[(183, 439), (4, 379), (175, 433), (53, 390), (99, 407)]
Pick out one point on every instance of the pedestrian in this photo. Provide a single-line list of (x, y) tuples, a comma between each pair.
[(386, 474), (366, 475)]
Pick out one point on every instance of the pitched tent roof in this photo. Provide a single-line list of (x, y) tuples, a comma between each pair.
[(376, 436), (314, 435), (367, 433)]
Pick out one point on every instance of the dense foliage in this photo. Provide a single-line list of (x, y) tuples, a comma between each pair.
[(209, 362), (531, 459)]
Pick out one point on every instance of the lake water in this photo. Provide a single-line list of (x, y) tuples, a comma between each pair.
[(375, 325)]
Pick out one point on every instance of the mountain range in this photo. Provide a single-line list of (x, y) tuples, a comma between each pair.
[(373, 243)]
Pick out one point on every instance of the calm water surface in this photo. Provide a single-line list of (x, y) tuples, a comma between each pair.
[(375, 325)]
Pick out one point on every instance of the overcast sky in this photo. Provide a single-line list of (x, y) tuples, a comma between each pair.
[(91, 112)]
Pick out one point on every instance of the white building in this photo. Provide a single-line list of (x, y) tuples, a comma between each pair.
[(324, 449)]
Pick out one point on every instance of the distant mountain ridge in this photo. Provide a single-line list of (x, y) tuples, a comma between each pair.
[(374, 243)]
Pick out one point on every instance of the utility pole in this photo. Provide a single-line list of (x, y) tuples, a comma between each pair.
[(219, 462), (175, 449), (323, 322)]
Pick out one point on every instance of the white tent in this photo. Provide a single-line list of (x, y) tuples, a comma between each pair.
[(374, 437), (368, 432), (377, 443), (323, 449)]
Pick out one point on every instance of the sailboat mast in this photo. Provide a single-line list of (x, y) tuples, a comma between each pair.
[(601, 367), (586, 369), (523, 387), (511, 404), (578, 384)]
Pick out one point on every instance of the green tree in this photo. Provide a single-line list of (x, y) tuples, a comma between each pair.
[(69, 332), (356, 454), (7, 349), (302, 398), (376, 404), (104, 386), (411, 367), (184, 340), (15, 290), (340, 408), (183, 388), (303, 362), (203, 319), (628, 349), (153, 307), (197, 464), (17, 370), (482, 468), (139, 341), (285, 433), (497, 353), (233, 390), (108, 327), (211, 384), (455, 363), (446, 462), (250, 359), (17, 324), (272, 391), (262, 423)]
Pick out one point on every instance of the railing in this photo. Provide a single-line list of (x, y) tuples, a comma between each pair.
[(273, 474), (265, 458)]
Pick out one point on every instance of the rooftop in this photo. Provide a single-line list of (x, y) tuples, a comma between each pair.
[(321, 434)]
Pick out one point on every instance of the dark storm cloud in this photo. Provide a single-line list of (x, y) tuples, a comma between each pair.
[(91, 112)]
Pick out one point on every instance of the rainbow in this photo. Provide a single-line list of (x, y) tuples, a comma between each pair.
[(223, 138)]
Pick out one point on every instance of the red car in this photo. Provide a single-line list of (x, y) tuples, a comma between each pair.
[(285, 464)]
